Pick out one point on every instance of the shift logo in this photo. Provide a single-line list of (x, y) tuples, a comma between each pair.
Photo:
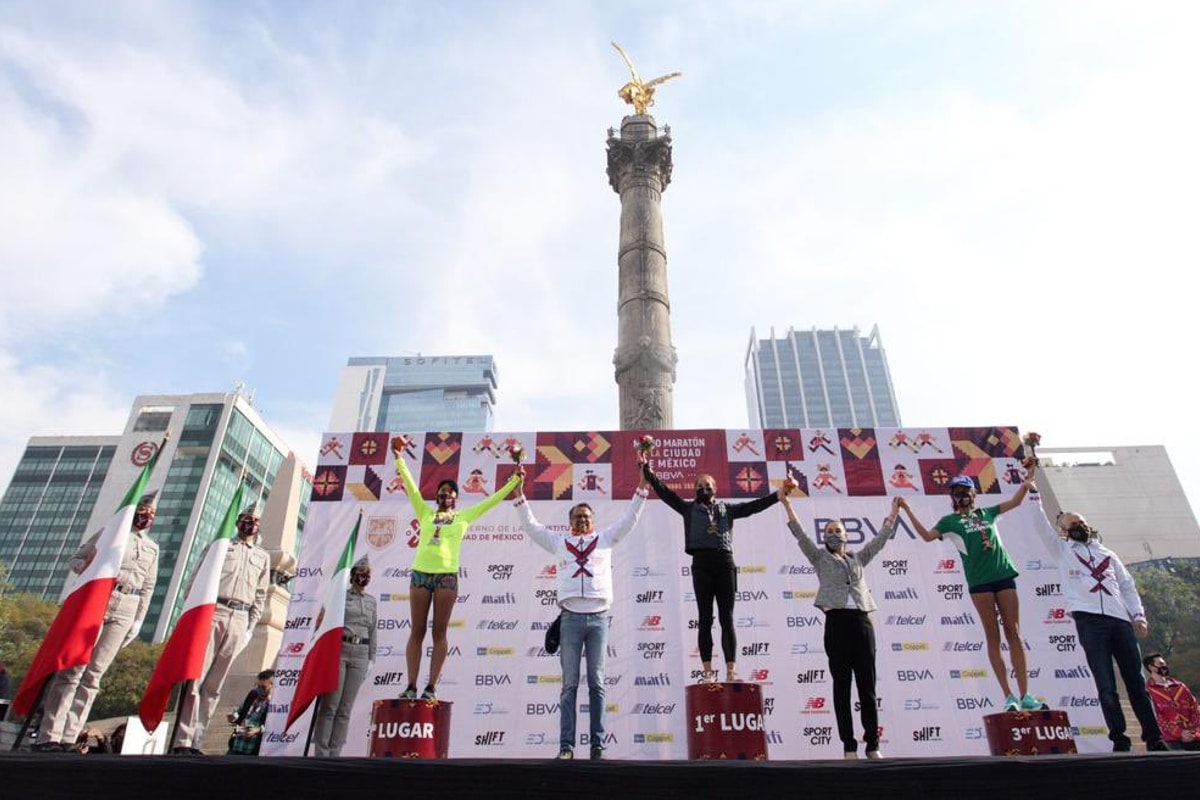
[(654, 622), (797, 569), (817, 734), (1078, 673), (973, 703), (805, 622), (389, 679), (907, 594), (500, 572), (914, 675), (1057, 616), (1063, 642), (756, 649), (1048, 590), (811, 676), (652, 650), (946, 565), (896, 566), (299, 623), (950, 591), (506, 599), (910, 619), (490, 739), (649, 596), (965, 618), (750, 596), (930, 733), (493, 680), (878, 705)]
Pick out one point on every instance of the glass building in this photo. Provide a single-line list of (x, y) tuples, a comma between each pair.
[(45, 510), (216, 441), (819, 379), (416, 393)]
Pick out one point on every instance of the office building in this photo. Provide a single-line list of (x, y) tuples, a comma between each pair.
[(416, 393), (819, 379)]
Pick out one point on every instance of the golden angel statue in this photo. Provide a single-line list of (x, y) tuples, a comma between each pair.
[(637, 93)]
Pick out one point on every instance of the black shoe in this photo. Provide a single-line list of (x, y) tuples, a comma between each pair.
[(48, 747), (597, 754), (1157, 746), (1122, 747), (565, 754)]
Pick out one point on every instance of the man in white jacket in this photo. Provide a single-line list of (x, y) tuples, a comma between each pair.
[(585, 594), (1109, 618)]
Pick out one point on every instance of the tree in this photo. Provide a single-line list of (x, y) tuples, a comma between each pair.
[(1171, 595)]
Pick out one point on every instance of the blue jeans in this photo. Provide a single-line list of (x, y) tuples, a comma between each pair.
[(582, 633), (1104, 640)]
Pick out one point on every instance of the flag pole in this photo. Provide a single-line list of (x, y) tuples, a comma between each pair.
[(312, 723), (29, 717), (185, 689)]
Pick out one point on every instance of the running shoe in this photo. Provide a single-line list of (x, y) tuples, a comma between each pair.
[(429, 694), (409, 694), (1030, 703), (1011, 703)]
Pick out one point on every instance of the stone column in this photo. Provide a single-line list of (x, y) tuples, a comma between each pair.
[(639, 169)]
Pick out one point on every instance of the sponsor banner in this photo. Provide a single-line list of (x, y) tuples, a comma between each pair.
[(934, 679)]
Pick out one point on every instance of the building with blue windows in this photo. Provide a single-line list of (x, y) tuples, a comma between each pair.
[(819, 379), (416, 393)]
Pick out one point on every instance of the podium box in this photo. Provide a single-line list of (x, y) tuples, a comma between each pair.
[(409, 729), (725, 721), (1029, 733)]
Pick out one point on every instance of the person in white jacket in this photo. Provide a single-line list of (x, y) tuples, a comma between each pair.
[(1104, 602), (585, 594)]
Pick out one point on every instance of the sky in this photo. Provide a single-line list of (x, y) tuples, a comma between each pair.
[(195, 195)]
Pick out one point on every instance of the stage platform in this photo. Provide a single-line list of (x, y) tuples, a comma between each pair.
[(61, 775)]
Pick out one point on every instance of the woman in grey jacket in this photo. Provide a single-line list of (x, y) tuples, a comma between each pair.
[(843, 595)]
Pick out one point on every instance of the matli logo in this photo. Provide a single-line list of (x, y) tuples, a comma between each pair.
[(1074, 673), (965, 618), (508, 598), (905, 594), (661, 679)]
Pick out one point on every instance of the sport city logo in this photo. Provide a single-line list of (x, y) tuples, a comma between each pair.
[(1063, 642), (500, 572), (950, 591)]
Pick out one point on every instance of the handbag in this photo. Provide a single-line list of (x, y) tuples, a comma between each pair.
[(552, 635)]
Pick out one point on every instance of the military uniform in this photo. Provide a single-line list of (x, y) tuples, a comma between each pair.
[(241, 593), (71, 692), (358, 653)]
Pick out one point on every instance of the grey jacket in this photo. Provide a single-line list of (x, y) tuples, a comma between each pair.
[(838, 579)]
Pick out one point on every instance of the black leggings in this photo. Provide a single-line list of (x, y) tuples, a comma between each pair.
[(714, 576)]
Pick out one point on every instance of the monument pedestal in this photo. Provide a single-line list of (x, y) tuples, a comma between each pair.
[(725, 720), (409, 729), (1029, 733)]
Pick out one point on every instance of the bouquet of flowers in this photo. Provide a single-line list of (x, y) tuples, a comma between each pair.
[(644, 443), (516, 452), (1031, 442)]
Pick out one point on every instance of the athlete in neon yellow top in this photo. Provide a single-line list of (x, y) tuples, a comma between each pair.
[(435, 567)]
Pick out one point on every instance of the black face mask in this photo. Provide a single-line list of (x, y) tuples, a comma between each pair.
[(704, 494), (1079, 532), (361, 579), (961, 500), (1163, 671)]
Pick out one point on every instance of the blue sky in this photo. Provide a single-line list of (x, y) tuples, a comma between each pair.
[(200, 194)]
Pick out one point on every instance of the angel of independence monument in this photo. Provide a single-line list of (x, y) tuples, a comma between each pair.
[(639, 170), (728, 717)]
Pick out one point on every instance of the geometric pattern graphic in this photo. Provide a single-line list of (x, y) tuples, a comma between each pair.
[(996, 442), (369, 448), (748, 479), (860, 461), (329, 483), (783, 444), (368, 487)]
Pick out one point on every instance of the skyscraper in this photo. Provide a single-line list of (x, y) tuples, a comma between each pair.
[(819, 379), (416, 393), (216, 441), (45, 510)]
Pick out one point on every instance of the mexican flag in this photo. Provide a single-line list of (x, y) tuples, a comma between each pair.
[(73, 633), (183, 657), (319, 674)]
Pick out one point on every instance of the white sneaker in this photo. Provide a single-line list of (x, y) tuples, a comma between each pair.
[(874, 754), (850, 755)]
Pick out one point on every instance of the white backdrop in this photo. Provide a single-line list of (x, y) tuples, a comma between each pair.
[(935, 683)]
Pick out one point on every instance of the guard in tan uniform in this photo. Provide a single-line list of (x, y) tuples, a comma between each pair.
[(358, 658), (245, 576), (71, 692)]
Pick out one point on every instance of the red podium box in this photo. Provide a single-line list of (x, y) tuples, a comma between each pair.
[(725, 720), (1029, 733), (409, 729)]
